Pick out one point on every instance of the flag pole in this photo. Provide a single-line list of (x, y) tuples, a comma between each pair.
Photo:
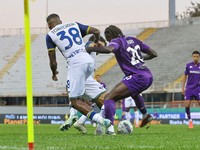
[(29, 97)]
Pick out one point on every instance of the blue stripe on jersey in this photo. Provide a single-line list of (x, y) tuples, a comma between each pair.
[(50, 44), (83, 29)]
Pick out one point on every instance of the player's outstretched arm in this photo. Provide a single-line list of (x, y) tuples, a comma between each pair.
[(150, 54), (96, 34), (53, 64), (102, 49)]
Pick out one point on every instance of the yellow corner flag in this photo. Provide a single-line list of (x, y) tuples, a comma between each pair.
[(29, 98)]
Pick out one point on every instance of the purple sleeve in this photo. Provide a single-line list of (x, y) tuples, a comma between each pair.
[(186, 70), (115, 44)]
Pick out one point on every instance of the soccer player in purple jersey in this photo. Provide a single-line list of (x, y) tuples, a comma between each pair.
[(127, 51), (192, 71)]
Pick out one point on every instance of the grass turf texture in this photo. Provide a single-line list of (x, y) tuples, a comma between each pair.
[(50, 137)]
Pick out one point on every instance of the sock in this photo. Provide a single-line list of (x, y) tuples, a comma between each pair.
[(82, 119), (139, 101), (123, 117), (109, 107), (73, 111), (102, 112), (111, 128), (128, 115), (187, 109), (95, 117), (136, 117)]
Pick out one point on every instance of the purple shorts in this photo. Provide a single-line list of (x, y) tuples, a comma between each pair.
[(190, 94), (123, 105), (137, 84)]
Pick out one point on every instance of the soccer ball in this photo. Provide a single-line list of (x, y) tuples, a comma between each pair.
[(124, 127)]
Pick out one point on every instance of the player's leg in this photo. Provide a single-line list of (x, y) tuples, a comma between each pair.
[(131, 86), (120, 91), (188, 98), (96, 92), (127, 102), (136, 117), (128, 114), (80, 123), (77, 89)]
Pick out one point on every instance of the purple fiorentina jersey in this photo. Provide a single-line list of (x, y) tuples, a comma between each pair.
[(128, 54), (193, 73)]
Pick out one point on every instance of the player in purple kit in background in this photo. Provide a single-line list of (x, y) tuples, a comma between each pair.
[(127, 51), (192, 70), (98, 78)]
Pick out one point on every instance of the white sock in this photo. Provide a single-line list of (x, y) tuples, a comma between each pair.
[(136, 117), (190, 119), (73, 111), (99, 127), (144, 115), (82, 119), (128, 115), (111, 128), (97, 118), (102, 112)]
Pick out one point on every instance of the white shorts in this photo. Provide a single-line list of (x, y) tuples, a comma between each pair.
[(76, 79), (129, 102), (93, 89)]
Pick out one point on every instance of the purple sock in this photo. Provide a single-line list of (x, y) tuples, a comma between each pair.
[(139, 101), (187, 109), (109, 108), (123, 117)]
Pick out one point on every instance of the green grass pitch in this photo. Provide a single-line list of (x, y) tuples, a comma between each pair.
[(50, 137)]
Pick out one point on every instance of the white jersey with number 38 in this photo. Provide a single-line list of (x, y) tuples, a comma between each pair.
[(68, 38)]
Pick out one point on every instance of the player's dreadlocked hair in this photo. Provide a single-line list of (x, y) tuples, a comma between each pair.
[(52, 16), (114, 31)]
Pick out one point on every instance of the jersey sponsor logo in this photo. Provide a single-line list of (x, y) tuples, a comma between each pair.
[(198, 72), (130, 41), (76, 52)]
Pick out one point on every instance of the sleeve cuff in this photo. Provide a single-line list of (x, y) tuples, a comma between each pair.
[(51, 49), (87, 32)]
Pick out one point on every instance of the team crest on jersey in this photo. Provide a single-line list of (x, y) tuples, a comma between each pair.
[(190, 66)]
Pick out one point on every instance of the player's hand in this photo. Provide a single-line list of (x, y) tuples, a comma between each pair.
[(54, 77), (183, 91)]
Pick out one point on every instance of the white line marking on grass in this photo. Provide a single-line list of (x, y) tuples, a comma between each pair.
[(8, 147)]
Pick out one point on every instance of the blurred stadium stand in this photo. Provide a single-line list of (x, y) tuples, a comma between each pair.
[(174, 46)]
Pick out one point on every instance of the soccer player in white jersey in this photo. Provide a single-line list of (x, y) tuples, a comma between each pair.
[(68, 37), (130, 103), (94, 92)]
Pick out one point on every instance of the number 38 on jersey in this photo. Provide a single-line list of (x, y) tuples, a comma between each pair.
[(73, 36)]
